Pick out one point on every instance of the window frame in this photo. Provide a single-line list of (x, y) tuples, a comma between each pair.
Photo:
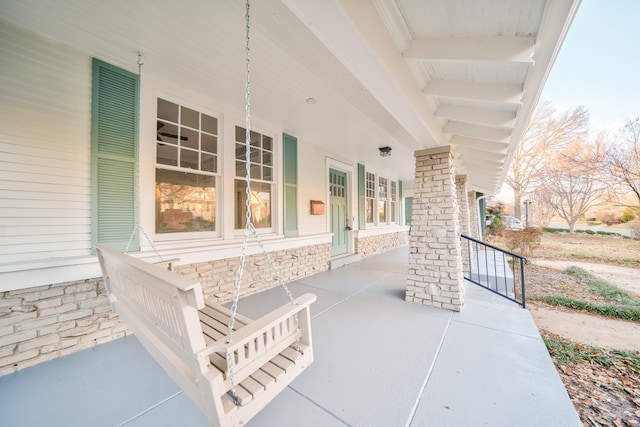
[(370, 195), (393, 202), (383, 199), (217, 174), (275, 182)]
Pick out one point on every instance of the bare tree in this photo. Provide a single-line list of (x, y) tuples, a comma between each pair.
[(574, 179), (623, 159), (546, 132), (541, 211)]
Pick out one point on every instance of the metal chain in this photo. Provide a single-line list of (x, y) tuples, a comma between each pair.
[(247, 137), (249, 227), (137, 224)]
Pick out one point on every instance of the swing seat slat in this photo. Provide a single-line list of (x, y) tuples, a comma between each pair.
[(189, 338)]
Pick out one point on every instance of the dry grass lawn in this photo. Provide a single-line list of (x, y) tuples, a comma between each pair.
[(586, 247), (604, 385)]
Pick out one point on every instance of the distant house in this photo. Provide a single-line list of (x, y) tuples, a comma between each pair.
[(124, 124)]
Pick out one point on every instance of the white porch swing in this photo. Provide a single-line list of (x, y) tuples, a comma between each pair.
[(229, 365)]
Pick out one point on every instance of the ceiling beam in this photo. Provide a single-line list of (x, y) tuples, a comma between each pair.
[(478, 131), (483, 163), (474, 153), (478, 116), (487, 185), (480, 144), (475, 91), (472, 49)]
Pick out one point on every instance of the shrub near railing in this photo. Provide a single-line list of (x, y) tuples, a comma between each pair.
[(524, 241)]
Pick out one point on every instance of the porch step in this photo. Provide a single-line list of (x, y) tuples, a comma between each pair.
[(496, 274), (343, 260)]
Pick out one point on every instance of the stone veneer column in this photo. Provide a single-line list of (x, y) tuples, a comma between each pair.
[(463, 204), (473, 215), (435, 259), (463, 217)]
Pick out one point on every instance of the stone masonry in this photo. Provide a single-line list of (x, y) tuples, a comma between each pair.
[(40, 324), (373, 245), (218, 277), (463, 217), (473, 215), (463, 204), (435, 261)]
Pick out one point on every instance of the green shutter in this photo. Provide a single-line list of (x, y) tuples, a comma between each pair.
[(483, 212), (290, 165), (362, 221), (114, 151), (408, 210), (400, 199)]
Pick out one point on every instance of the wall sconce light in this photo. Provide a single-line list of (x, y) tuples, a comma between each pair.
[(385, 151)]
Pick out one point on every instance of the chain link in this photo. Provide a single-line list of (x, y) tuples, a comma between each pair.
[(137, 224), (250, 229)]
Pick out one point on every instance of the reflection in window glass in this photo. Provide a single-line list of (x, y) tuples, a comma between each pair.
[(393, 204), (187, 164), (370, 195), (260, 204), (382, 200), (184, 201), (369, 206), (260, 167), (189, 159), (189, 117)]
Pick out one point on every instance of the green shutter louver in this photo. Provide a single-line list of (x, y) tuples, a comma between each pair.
[(400, 198), (361, 198), (114, 150), (290, 173)]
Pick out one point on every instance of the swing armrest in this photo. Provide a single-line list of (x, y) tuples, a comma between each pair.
[(261, 340), (218, 347)]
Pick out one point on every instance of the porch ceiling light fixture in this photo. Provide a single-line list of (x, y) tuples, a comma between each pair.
[(385, 151), (311, 101)]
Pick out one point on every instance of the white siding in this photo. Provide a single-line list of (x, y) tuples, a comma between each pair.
[(45, 122), (311, 186)]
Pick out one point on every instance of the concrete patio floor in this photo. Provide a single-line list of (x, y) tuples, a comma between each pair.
[(379, 361)]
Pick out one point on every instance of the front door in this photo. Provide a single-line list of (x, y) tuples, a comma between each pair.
[(338, 211)]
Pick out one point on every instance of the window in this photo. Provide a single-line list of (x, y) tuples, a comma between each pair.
[(382, 200), (370, 196), (261, 167), (187, 169), (393, 201)]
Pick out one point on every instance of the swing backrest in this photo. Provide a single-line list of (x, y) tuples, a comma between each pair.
[(160, 306)]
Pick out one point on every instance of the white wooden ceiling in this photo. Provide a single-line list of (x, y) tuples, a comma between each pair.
[(409, 74)]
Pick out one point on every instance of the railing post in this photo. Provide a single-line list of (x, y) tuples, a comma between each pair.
[(522, 282)]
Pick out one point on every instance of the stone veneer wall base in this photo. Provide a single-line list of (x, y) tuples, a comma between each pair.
[(43, 323), (373, 245)]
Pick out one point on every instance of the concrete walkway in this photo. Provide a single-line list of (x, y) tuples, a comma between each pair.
[(379, 361), (588, 329)]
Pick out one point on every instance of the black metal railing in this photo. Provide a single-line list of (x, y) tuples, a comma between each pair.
[(493, 268)]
